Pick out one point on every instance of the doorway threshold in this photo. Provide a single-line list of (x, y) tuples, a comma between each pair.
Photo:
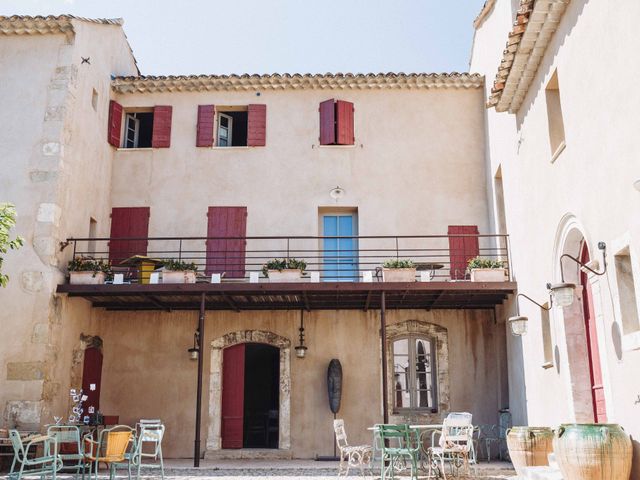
[(249, 454)]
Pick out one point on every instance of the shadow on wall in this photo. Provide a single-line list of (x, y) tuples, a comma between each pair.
[(517, 396)]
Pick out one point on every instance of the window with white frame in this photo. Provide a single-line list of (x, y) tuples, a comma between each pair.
[(138, 129), (414, 373), (232, 127)]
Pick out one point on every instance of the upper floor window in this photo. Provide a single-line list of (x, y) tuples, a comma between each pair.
[(232, 126), (554, 116), (138, 129), (336, 122), (414, 373)]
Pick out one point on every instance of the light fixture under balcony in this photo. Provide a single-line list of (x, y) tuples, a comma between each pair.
[(301, 348), (195, 350)]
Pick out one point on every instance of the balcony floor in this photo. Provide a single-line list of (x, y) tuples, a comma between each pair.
[(294, 296)]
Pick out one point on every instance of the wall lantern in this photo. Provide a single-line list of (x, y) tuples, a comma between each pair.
[(301, 348), (519, 322), (563, 293), (195, 350)]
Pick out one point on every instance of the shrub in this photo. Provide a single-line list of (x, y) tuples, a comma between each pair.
[(179, 265), (89, 264), (284, 264), (397, 263), (480, 262)]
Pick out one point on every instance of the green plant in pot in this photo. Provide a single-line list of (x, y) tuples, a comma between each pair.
[(484, 269), (88, 271), (179, 271), (399, 270), (284, 270)]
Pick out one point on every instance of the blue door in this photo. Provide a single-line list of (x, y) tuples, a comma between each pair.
[(340, 251)]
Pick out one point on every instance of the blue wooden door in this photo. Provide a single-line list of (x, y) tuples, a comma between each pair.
[(340, 251)]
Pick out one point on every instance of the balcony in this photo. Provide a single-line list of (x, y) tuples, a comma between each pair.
[(341, 272)]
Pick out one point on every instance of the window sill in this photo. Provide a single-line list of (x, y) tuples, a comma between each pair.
[(145, 149), (631, 341), (558, 151), (241, 147), (337, 146)]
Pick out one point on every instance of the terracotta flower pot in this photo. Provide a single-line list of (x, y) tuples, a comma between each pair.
[(87, 278), (488, 275), (529, 447), (399, 274), (178, 276), (287, 275)]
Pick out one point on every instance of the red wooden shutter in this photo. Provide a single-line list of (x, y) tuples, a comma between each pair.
[(115, 123), (344, 123), (327, 122), (257, 125), (226, 255), (204, 137), (161, 136), (91, 375), (232, 396), (128, 222), (462, 249)]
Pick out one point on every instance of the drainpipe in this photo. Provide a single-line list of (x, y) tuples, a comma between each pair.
[(196, 450), (383, 335)]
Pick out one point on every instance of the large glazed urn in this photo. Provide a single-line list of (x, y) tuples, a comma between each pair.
[(590, 451), (529, 447)]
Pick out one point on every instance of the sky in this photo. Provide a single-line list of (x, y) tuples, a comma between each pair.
[(181, 37)]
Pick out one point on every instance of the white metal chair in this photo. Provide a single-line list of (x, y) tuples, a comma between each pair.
[(50, 463), (150, 433), (67, 438), (455, 445), (351, 456)]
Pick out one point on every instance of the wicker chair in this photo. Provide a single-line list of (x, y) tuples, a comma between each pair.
[(111, 449), (351, 456)]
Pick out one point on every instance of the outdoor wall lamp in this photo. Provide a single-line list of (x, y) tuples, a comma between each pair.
[(519, 322), (563, 293), (301, 348), (195, 350)]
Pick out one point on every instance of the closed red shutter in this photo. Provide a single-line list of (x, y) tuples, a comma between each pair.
[(327, 122), (115, 123), (257, 125), (344, 123), (226, 256), (204, 136), (232, 396), (128, 222), (91, 375), (161, 136), (462, 249)]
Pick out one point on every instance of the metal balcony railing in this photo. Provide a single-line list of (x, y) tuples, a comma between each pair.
[(343, 258)]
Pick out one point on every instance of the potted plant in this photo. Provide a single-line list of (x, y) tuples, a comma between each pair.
[(177, 271), (88, 271), (396, 270), (487, 270), (285, 270)]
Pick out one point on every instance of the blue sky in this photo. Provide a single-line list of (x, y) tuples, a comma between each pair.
[(278, 36)]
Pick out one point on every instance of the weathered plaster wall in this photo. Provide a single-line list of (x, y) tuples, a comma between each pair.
[(589, 185), (147, 372)]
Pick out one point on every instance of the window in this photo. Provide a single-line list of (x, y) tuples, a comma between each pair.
[(554, 114), (626, 291), (414, 373), (138, 129), (336, 122), (225, 129)]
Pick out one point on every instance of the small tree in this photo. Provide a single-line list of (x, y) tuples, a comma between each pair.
[(7, 221)]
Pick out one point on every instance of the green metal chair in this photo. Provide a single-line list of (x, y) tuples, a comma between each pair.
[(67, 438), (399, 444), (47, 464)]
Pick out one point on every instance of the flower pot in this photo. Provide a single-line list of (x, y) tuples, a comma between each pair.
[(529, 447), (399, 274), (178, 276), (285, 276), (593, 451), (86, 278), (488, 274)]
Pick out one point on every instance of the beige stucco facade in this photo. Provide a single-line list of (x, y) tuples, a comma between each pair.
[(583, 193)]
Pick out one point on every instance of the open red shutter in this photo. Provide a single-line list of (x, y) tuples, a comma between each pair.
[(232, 396), (128, 222), (327, 122), (204, 136), (257, 125), (161, 136), (92, 375), (344, 123), (226, 256), (462, 249), (115, 123)]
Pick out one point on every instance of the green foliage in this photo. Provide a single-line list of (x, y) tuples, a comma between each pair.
[(89, 264), (7, 221), (481, 262), (284, 264), (179, 265), (398, 263)]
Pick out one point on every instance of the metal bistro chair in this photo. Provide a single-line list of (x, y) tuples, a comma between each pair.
[(47, 464), (67, 439), (455, 444), (350, 456), (111, 449), (398, 443), (151, 433)]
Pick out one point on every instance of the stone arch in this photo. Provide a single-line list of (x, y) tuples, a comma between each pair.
[(214, 440), (571, 238), (441, 338)]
